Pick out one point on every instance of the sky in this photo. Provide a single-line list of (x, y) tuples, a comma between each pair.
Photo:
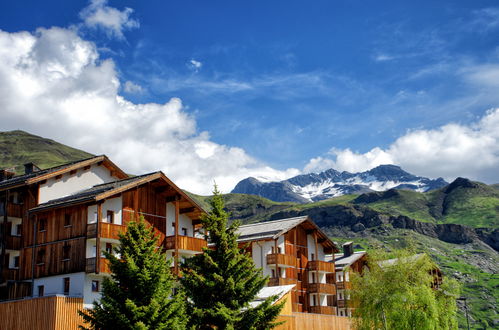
[(216, 91)]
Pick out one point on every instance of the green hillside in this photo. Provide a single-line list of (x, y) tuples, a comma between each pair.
[(18, 148)]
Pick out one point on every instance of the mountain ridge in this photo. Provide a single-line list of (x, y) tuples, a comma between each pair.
[(306, 188)]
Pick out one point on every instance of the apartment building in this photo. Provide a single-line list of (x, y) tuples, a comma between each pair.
[(70, 214), (347, 262), (293, 252)]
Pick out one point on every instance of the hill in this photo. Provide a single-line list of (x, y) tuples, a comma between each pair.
[(18, 148)]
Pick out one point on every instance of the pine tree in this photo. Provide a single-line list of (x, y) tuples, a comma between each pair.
[(139, 293), (222, 280)]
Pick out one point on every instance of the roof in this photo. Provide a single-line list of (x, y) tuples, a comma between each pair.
[(48, 173), (341, 261), (268, 229), (273, 229), (270, 291), (106, 190)]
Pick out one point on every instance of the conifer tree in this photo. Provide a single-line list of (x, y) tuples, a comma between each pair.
[(139, 293), (220, 282)]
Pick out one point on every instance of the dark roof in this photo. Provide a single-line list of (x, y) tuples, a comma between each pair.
[(341, 261), (89, 194), (268, 229), (22, 179)]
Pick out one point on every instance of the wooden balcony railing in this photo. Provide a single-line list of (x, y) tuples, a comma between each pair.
[(324, 288), (298, 308), (321, 266), (107, 230), (281, 259), (90, 265), (277, 281), (186, 243), (10, 274), (341, 303), (329, 310), (13, 242), (13, 210), (343, 285)]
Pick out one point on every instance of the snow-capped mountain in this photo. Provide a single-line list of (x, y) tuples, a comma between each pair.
[(331, 183)]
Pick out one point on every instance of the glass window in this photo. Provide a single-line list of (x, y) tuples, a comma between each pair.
[(95, 286)]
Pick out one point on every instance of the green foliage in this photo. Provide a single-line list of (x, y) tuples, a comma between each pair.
[(139, 295), (18, 148), (222, 281), (398, 295)]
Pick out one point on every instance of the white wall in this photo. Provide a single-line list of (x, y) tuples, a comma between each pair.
[(113, 204), (88, 295), (69, 184), (15, 222), (311, 249), (12, 255), (55, 284), (183, 222)]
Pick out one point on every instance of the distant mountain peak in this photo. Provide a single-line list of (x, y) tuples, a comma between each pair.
[(331, 183)]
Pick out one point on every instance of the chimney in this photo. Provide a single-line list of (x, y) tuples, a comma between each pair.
[(347, 249), (30, 168), (6, 174)]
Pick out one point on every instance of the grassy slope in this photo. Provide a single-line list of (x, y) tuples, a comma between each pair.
[(18, 148)]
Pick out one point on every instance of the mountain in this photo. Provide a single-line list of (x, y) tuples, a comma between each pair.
[(313, 187), (18, 148)]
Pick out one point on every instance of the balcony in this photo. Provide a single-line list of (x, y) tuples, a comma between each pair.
[(107, 230), (13, 242), (343, 285), (341, 303), (90, 266), (277, 281), (186, 243), (10, 274), (282, 260), (328, 310), (13, 210), (323, 288), (321, 266)]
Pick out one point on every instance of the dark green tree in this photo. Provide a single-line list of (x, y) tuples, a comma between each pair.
[(222, 281), (139, 293)]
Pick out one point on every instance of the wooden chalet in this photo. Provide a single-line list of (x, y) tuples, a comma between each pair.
[(293, 251)]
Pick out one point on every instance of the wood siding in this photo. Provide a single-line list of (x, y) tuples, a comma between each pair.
[(298, 321), (56, 312)]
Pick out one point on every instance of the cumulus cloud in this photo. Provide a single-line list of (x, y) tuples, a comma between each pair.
[(449, 151), (132, 88), (55, 84), (113, 21), (195, 65)]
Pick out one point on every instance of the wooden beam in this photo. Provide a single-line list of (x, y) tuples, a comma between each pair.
[(173, 198), (176, 235), (187, 210), (97, 240)]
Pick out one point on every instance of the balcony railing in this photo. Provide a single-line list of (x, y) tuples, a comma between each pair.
[(13, 210), (324, 288), (186, 243), (329, 310), (107, 230), (13, 242), (283, 260), (10, 274), (321, 266), (91, 265), (343, 285), (277, 281), (341, 303)]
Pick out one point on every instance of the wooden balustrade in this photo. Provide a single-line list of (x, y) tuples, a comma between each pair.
[(343, 285), (328, 310), (324, 288), (321, 266), (341, 303), (90, 265), (13, 210), (186, 243), (281, 259), (10, 274), (106, 230), (277, 281), (13, 242)]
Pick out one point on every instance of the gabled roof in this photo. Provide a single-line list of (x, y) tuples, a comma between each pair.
[(106, 190), (34, 177), (340, 261), (269, 291), (273, 229)]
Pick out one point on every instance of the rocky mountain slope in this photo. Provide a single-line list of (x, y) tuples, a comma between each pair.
[(331, 183)]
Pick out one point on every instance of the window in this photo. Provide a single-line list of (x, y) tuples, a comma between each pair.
[(67, 220), (341, 313), (42, 224), (16, 262), (279, 250), (66, 284), (184, 231), (41, 289), (312, 257), (314, 300), (66, 252), (109, 248), (95, 286), (173, 228), (110, 216), (95, 216), (273, 272), (19, 229), (313, 277), (40, 257), (300, 299), (279, 271)]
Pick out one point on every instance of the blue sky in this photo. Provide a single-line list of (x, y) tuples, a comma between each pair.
[(302, 86)]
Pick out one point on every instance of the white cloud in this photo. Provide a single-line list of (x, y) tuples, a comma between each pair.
[(53, 83), (449, 151), (195, 65), (111, 20), (133, 88)]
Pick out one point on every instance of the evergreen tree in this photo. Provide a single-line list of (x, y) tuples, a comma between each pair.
[(222, 280), (139, 293), (399, 295)]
